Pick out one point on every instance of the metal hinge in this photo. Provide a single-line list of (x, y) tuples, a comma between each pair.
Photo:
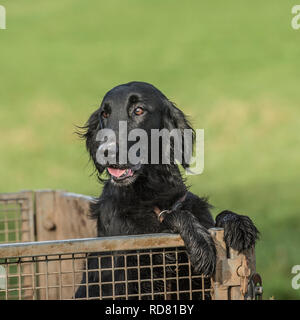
[(237, 273), (255, 288)]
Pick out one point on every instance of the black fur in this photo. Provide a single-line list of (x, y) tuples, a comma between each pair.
[(239, 231), (127, 208)]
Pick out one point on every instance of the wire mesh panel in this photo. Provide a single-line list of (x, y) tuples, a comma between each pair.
[(61, 270), (157, 274), (16, 217)]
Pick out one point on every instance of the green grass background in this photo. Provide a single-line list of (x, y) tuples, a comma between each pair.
[(233, 66)]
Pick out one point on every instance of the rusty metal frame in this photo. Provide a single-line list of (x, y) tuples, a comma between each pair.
[(230, 281), (234, 271), (103, 244), (37, 257)]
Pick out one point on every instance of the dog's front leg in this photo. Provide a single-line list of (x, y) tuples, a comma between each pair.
[(240, 232), (198, 242)]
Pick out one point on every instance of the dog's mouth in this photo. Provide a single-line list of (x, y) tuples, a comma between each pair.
[(124, 176), (120, 174)]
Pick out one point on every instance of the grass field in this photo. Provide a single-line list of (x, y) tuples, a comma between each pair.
[(233, 66)]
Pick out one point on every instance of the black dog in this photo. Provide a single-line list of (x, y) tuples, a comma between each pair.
[(134, 195)]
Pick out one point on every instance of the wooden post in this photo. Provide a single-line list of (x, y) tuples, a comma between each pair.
[(61, 215), (233, 270), (220, 292)]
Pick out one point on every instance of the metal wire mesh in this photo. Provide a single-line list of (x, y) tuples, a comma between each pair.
[(15, 220), (154, 273), (157, 274)]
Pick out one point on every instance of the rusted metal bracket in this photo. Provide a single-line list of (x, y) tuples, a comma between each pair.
[(255, 288), (233, 279)]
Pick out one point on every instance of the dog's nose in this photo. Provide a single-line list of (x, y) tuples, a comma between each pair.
[(107, 153)]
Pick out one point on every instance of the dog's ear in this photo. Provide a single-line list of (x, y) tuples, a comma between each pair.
[(174, 118), (88, 133), (89, 130)]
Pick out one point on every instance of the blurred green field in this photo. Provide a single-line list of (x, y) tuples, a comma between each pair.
[(233, 66)]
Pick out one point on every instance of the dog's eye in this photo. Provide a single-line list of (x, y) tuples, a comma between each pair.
[(104, 115), (138, 111)]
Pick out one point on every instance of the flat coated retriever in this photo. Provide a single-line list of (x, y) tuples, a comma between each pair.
[(134, 195)]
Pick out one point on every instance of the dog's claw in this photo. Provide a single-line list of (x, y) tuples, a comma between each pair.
[(240, 232)]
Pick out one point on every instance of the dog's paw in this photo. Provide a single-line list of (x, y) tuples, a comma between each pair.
[(198, 241), (240, 232)]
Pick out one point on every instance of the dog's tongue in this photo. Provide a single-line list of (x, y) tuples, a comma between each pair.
[(116, 172)]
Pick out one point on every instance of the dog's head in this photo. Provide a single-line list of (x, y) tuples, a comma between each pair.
[(134, 113)]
